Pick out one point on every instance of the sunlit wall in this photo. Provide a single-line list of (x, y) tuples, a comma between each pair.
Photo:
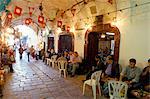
[(30, 33)]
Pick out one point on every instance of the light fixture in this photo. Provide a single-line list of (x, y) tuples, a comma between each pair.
[(18, 11), (108, 33), (27, 22), (9, 15), (68, 29), (59, 23), (103, 35), (41, 19)]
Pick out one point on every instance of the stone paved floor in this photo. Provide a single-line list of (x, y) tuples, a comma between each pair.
[(35, 80)]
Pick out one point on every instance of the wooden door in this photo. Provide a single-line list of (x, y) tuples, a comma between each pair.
[(65, 43), (50, 43), (92, 47)]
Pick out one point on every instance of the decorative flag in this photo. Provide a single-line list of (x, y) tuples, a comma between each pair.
[(43, 25), (18, 10), (73, 11), (31, 9)]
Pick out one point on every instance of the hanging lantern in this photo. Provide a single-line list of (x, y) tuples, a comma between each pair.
[(68, 29), (27, 21), (18, 10), (41, 19), (9, 15), (30, 20), (59, 23)]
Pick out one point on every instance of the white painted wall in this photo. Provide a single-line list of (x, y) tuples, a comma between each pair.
[(79, 42), (134, 26)]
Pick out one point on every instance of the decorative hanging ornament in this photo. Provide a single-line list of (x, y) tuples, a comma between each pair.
[(18, 11), (62, 14), (59, 23), (110, 1), (28, 21), (9, 15), (68, 29), (73, 11), (43, 25), (31, 9), (41, 19)]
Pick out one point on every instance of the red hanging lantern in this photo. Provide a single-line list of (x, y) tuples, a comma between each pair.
[(18, 10), (41, 19), (30, 20), (27, 22), (68, 29), (9, 15), (59, 23)]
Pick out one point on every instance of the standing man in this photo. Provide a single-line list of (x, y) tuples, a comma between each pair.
[(28, 53), (32, 51), (20, 51)]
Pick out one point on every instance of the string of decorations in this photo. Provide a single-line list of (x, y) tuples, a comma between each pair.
[(119, 10), (41, 20)]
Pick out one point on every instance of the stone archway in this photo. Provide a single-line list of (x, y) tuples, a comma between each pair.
[(66, 42), (104, 28)]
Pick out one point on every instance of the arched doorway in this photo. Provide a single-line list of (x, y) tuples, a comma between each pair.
[(50, 43), (66, 42), (99, 30), (92, 47)]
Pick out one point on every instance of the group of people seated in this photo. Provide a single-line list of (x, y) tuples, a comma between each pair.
[(73, 59), (7, 57), (109, 68), (138, 81)]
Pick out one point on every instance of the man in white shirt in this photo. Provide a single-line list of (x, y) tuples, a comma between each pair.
[(75, 63)]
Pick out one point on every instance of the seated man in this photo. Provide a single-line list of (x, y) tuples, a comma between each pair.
[(131, 73), (143, 88), (74, 63), (112, 70), (98, 66)]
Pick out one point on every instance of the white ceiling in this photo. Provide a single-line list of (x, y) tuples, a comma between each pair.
[(52, 9)]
